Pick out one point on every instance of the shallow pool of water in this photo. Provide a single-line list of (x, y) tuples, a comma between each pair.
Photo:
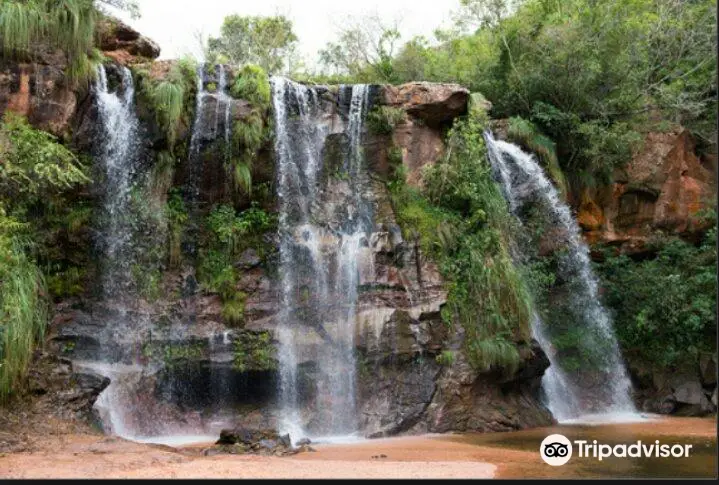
[(700, 433)]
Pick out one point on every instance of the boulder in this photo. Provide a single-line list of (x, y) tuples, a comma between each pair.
[(692, 399), (708, 370), (433, 103), (123, 43), (241, 440)]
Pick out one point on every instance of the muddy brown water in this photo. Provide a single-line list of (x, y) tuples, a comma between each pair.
[(700, 433)]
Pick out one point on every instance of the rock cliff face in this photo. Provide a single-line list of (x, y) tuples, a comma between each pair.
[(663, 188), (402, 388), (40, 90)]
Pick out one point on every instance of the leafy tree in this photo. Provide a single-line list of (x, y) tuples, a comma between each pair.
[(268, 42), (665, 306), (34, 169), (364, 49)]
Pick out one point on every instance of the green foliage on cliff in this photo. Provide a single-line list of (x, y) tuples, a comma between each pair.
[(381, 120), (591, 75), (69, 25), (23, 309), (251, 133), (461, 220), (665, 307), (525, 134), (229, 234), (254, 352), (172, 98), (34, 170), (33, 163), (252, 84)]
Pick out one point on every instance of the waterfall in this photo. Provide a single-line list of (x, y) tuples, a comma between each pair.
[(206, 128), (601, 386), (317, 320), (116, 164)]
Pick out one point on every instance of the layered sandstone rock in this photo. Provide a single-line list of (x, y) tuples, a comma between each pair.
[(40, 90), (663, 188)]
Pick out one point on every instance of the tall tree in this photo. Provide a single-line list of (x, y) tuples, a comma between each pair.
[(364, 48), (268, 42)]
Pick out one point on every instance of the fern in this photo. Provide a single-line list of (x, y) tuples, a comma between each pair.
[(169, 99), (243, 177)]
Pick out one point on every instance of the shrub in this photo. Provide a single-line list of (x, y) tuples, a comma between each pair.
[(382, 120), (252, 84), (23, 310), (665, 306)]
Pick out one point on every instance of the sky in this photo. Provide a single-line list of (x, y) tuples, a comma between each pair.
[(174, 24)]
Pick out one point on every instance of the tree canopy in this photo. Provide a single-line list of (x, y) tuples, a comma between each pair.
[(268, 42)]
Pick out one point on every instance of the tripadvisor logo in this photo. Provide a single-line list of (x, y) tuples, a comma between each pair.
[(556, 450)]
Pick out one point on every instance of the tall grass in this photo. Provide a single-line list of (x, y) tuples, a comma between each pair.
[(169, 99), (65, 24), (23, 314)]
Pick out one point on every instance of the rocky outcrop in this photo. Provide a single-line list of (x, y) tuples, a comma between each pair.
[(124, 44), (432, 103), (466, 400), (62, 390), (663, 188), (39, 91), (687, 391), (429, 109)]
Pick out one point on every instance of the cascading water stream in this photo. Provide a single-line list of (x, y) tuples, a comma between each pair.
[(317, 321), (570, 395), (117, 160)]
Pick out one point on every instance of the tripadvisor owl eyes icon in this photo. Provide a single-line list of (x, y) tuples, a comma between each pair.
[(556, 449)]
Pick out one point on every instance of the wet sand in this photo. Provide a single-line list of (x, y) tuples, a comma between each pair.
[(432, 456)]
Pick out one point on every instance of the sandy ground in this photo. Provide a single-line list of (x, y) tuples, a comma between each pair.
[(88, 456), (78, 455)]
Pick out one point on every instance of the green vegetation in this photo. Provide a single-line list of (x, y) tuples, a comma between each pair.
[(446, 358), (461, 221), (665, 306), (23, 311), (172, 97), (268, 42), (253, 85), (177, 217), (228, 235), (171, 354), (35, 170), (68, 25), (250, 135), (33, 163), (254, 351), (381, 120)]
